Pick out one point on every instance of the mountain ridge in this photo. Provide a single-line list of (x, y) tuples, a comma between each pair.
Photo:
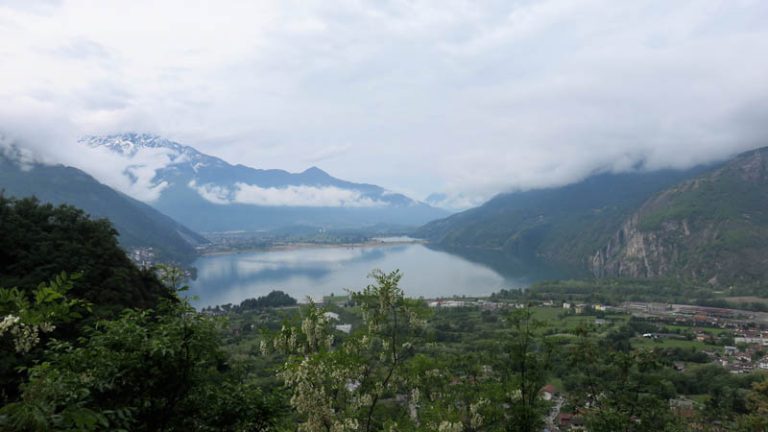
[(713, 228), (562, 225), (210, 194), (138, 224), (708, 224)]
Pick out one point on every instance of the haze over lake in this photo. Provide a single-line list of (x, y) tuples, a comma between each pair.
[(320, 271)]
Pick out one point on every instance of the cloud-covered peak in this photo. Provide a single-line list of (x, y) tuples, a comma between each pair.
[(464, 97), (159, 165)]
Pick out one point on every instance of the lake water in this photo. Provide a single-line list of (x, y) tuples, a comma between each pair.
[(320, 271)]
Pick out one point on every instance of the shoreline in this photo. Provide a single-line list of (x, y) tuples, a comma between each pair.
[(310, 245)]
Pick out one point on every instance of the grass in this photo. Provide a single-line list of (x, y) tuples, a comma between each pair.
[(547, 314), (714, 331), (641, 342)]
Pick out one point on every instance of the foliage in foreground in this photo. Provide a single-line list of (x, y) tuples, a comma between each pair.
[(39, 241), (160, 369), (378, 378)]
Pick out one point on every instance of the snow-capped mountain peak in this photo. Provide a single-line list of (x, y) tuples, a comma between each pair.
[(130, 144), (208, 193)]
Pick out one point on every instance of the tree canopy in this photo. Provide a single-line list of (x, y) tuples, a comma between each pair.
[(39, 241)]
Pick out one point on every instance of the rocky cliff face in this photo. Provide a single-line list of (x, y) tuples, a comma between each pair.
[(712, 228)]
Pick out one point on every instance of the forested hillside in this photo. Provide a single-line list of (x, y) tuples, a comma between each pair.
[(563, 225), (711, 228), (702, 225), (138, 224)]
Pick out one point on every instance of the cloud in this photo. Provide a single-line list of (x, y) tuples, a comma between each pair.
[(303, 196), (289, 196), (38, 133), (325, 153), (82, 49), (456, 96), (213, 193)]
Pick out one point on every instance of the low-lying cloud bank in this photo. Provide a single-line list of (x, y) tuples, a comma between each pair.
[(289, 196), (456, 96)]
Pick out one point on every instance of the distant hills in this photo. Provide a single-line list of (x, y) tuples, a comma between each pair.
[(138, 224), (708, 224), (209, 194)]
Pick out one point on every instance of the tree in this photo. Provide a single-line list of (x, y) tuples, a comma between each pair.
[(757, 403), (28, 321), (620, 390), (156, 369), (527, 364), (38, 241), (355, 384)]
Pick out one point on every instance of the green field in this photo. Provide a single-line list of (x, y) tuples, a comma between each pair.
[(641, 342)]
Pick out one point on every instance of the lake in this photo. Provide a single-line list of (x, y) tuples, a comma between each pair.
[(319, 271)]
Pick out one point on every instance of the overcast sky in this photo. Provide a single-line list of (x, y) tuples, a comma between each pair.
[(463, 97)]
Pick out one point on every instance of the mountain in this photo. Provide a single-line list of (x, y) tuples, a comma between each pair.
[(562, 225), (209, 194), (713, 227), (138, 224)]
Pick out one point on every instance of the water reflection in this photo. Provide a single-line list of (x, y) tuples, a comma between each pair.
[(320, 271), (509, 265)]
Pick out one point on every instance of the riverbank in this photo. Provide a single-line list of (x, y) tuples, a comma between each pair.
[(289, 246)]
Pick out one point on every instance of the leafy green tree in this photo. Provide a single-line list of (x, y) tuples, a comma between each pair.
[(28, 321), (39, 241), (621, 390), (360, 383), (148, 370), (459, 391), (527, 358), (757, 403)]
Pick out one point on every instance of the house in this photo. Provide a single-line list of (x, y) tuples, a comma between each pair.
[(344, 328), (564, 420), (750, 340), (548, 392), (566, 305), (580, 308), (569, 421), (730, 350), (453, 303), (763, 363), (331, 316)]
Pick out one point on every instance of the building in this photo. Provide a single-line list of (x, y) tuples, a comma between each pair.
[(345, 328), (331, 316), (752, 340), (548, 392), (763, 363)]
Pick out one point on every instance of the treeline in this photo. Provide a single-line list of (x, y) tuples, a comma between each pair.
[(617, 291), (274, 299)]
